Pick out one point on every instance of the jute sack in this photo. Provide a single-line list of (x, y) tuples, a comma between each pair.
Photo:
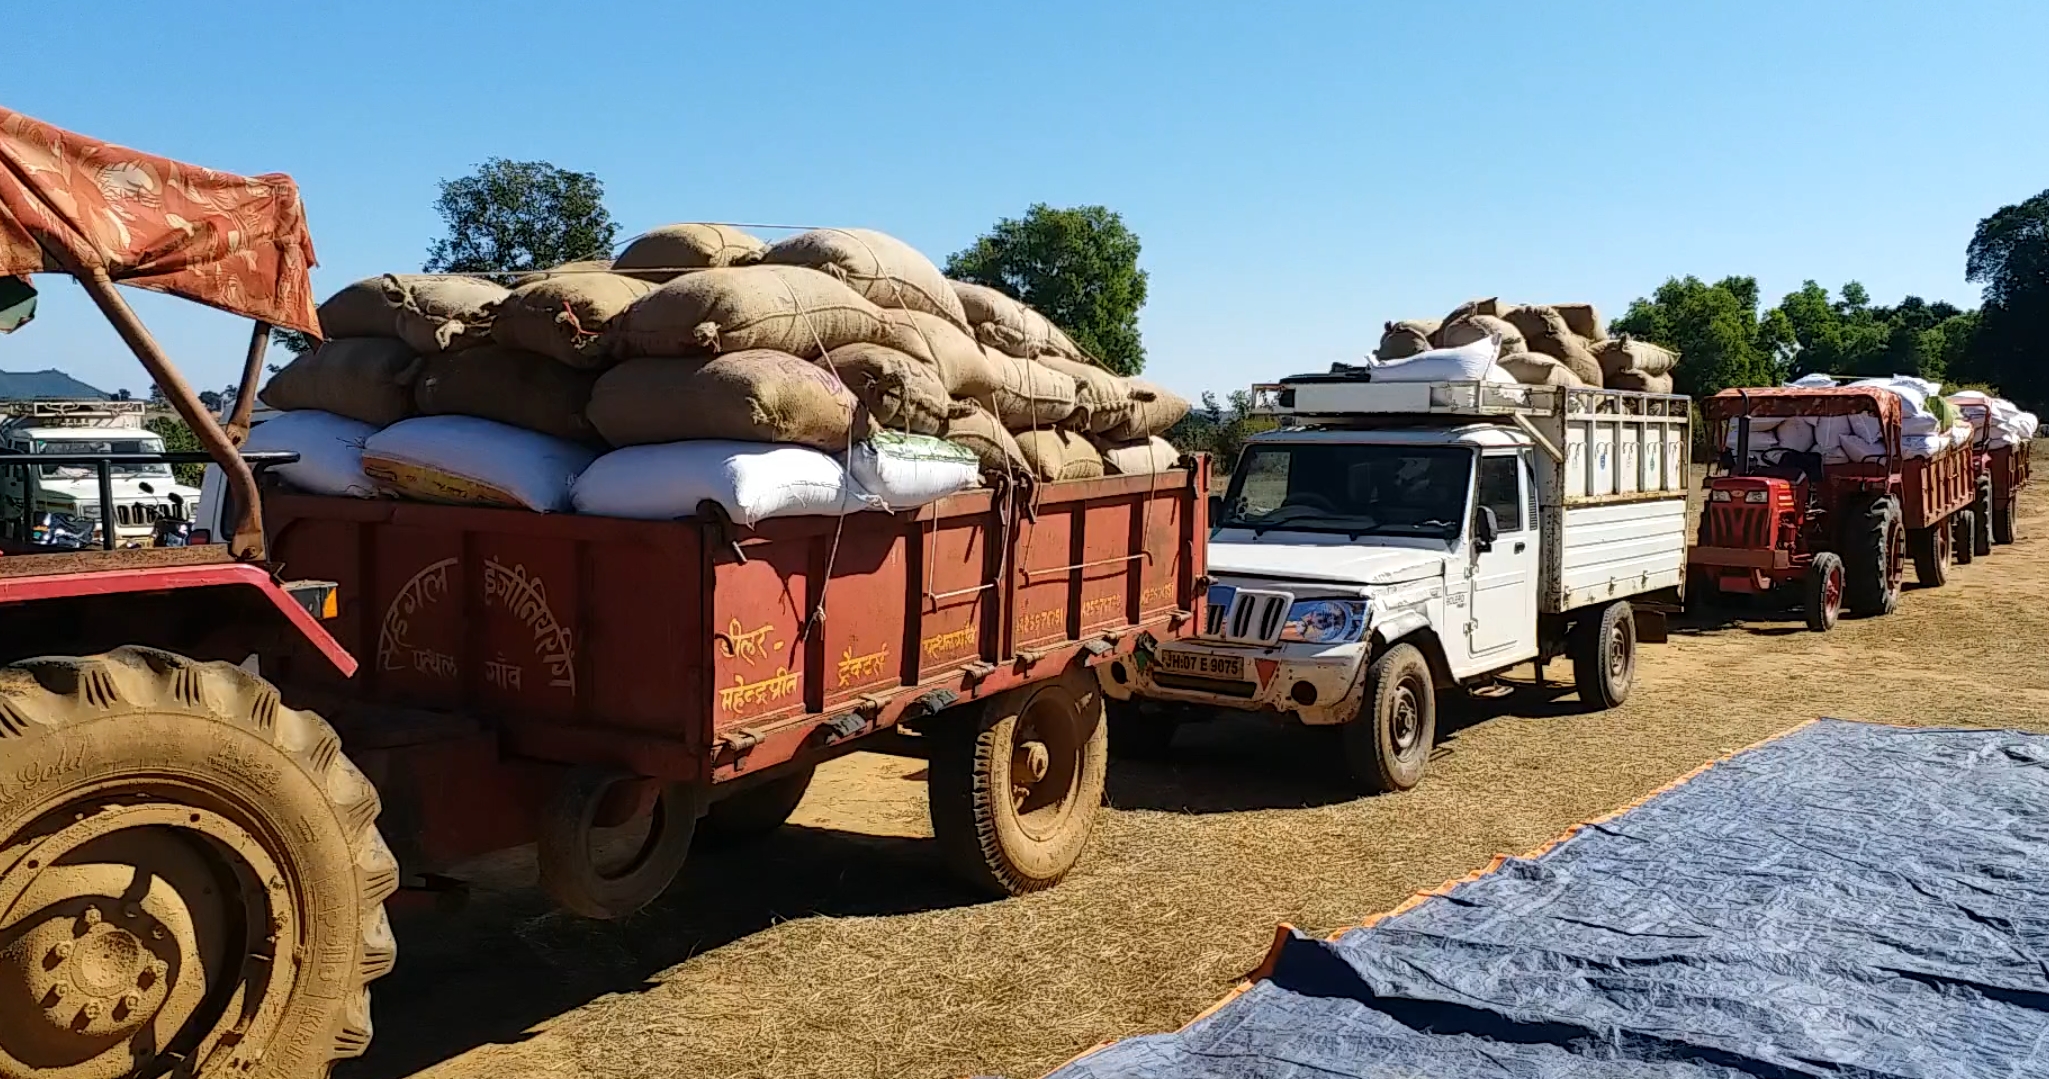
[(565, 316), (660, 255), (886, 270), (781, 308), (968, 369), (979, 432), (510, 385), (364, 378), (1055, 455), (1030, 394), (1584, 319), (361, 309), (1142, 458), (901, 392), (1400, 340), (1535, 369), (1467, 329), (1154, 409), (1492, 307), (567, 269), (1009, 326), (1544, 331), (444, 312), (1102, 397), (1625, 353), (1640, 382), (750, 396)]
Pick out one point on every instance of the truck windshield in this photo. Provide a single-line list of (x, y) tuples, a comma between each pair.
[(1353, 488), (74, 447)]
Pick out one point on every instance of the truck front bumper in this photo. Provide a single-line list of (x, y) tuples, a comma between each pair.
[(1313, 683)]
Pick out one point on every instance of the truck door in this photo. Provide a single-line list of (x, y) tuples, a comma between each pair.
[(1503, 626)]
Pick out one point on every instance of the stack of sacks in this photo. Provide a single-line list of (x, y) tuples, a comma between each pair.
[(844, 344), (1929, 425), (2009, 424), (1540, 345)]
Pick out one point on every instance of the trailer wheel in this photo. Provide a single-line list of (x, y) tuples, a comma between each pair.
[(756, 811), (1015, 787), (2004, 520), (1871, 539), (1604, 656), (1981, 543), (1136, 735), (191, 878), (1388, 745), (571, 872), (1933, 554), (1964, 536), (1824, 600)]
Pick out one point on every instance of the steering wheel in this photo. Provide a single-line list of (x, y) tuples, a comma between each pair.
[(1312, 500), (1774, 457)]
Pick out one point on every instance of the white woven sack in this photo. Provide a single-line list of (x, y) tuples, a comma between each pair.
[(1467, 363), (470, 461), (904, 471), (752, 482), (330, 450)]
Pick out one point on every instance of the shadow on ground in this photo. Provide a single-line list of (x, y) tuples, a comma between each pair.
[(507, 961)]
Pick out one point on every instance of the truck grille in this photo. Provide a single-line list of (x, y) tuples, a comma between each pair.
[(1246, 615), (143, 513)]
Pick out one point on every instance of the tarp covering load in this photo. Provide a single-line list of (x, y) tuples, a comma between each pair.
[(1846, 900), (238, 243)]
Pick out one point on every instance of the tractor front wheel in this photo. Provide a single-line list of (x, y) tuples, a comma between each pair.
[(1824, 602), (191, 879)]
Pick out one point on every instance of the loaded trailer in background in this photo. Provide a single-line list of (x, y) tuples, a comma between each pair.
[(1397, 539), (1822, 531), (2002, 439)]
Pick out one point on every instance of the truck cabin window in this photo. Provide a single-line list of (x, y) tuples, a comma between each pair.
[(1501, 491), (1351, 488), (76, 447)]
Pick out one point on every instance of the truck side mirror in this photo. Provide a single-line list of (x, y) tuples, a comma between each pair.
[(1486, 527)]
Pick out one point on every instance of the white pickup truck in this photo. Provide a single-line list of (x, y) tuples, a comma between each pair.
[(1395, 539)]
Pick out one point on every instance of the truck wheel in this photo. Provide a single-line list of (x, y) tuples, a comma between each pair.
[(1824, 602), (1136, 735), (2004, 520), (1932, 554), (756, 811), (1871, 531), (191, 878), (1964, 535), (1604, 656), (571, 871), (1389, 743), (1014, 789), (1982, 509)]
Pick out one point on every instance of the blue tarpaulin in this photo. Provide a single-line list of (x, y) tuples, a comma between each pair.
[(1847, 901)]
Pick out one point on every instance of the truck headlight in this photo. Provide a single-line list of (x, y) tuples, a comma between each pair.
[(1325, 621)]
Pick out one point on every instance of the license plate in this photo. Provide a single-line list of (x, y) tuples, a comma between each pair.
[(1203, 664)]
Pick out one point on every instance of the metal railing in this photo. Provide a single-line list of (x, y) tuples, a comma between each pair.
[(103, 466)]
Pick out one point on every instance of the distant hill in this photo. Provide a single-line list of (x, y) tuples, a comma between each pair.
[(46, 386)]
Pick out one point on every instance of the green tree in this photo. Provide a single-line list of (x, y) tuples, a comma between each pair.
[(2009, 256), (292, 341), (1219, 428), (178, 438), (1716, 331), (1078, 267), (520, 215)]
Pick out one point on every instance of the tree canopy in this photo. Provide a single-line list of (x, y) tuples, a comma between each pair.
[(2009, 256), (1717, 330), (1078, 267), (520, 215)]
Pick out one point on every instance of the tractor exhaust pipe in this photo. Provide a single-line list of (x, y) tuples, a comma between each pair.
[(1742, 467)]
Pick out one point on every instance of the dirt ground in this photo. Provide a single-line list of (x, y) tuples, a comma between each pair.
[(838, 948)]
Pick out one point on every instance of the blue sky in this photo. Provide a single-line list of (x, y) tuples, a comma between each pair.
[(1298, 172)]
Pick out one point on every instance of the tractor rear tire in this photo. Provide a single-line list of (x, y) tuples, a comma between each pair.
[(1388, 744), (191, 877), (1016, 784), (2004, 521), (756, 811), (1933, 554), (1871, 529), (1965, 534), (1982, 509), (1824, 591), (1604, 656)]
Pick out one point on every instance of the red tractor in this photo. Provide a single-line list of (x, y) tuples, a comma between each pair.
[(1821, 531)]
